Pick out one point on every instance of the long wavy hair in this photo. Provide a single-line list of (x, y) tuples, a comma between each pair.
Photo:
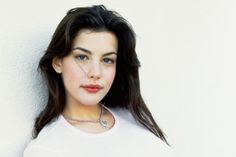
[(125, 90)]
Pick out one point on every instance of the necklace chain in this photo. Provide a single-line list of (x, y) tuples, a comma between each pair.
[(103, 123)]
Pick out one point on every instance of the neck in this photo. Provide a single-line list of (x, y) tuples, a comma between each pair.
[(82, 112)]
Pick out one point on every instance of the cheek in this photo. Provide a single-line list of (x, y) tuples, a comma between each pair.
[(109, 76), (71, 75)]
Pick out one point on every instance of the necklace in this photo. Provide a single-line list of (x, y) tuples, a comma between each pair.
[(103, 123)]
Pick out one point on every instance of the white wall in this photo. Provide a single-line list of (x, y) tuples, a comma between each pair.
[(187, 50)]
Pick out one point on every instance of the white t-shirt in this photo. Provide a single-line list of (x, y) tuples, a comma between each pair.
[(125, 139)]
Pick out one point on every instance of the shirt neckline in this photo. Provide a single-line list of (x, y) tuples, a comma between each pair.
[(87, 134)]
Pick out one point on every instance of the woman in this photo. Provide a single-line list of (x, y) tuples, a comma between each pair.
[(94, 106)]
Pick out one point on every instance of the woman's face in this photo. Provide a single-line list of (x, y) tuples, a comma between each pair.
[(89, 70)]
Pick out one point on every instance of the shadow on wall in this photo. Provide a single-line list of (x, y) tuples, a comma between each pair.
[(23, 92)]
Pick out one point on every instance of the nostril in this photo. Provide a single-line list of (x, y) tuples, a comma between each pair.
[(94, 72)]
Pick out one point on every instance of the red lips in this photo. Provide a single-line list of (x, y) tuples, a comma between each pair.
[(92, 88)]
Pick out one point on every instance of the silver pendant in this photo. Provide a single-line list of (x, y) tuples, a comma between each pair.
[(103, 123)]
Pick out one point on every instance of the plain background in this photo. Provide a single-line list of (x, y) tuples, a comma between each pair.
[(188, 78)]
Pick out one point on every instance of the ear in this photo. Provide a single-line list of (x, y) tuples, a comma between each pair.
[(57, 64)]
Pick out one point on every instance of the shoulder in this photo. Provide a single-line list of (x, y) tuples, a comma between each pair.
[(123, 114), (127, 120), (142, 137), (43, 144), (39, 151)]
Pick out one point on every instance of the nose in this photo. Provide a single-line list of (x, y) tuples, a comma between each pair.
[(94, 71)]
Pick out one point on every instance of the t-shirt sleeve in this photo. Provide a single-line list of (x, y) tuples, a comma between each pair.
[(40, 151)]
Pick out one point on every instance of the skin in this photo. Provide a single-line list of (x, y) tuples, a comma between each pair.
[(91, 61)]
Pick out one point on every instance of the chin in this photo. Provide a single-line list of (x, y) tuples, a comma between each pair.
[(90, 102), (90, 99)]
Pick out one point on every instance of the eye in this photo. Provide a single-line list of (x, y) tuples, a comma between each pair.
[(108, 61), (81, 57)]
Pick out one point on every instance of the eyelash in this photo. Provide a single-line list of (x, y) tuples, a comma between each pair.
[(111, 61), (105, 60), (79, 57)]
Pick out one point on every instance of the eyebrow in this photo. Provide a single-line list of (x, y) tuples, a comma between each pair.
[(89, 52)]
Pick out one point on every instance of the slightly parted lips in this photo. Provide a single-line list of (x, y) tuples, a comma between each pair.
[(92, 86)]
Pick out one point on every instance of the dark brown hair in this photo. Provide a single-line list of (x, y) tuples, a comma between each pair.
[(125, 90)]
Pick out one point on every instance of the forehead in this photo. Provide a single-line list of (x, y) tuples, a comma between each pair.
[(96, 41)]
